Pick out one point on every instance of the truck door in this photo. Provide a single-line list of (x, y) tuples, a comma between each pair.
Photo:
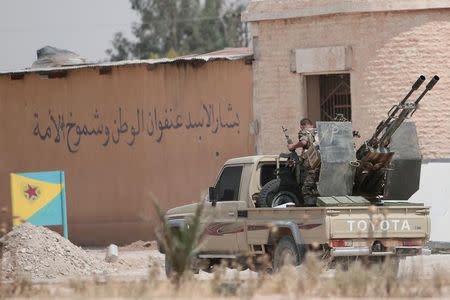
[(222, 226)]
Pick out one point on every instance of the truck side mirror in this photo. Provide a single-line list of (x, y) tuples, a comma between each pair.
[(212, 195)]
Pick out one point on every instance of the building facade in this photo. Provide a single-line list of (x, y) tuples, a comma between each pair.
[(357, 59), (126, 135)]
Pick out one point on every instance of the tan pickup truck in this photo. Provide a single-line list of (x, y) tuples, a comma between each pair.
[(347, 226), (359, 207)]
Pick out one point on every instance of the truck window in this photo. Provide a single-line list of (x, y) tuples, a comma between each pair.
[(228, 184), (267, 173)]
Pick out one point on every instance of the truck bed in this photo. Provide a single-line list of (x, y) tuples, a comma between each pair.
[(322, 224)]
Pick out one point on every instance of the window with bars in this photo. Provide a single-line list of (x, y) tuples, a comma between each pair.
[(335, 99), (329, 97)]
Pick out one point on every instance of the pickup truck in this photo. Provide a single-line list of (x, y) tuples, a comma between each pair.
[(362, 210), (345, 226)]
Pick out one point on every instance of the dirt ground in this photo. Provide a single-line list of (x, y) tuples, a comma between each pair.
[(39, 263), (137, 271), (43, 256), (140, 261)]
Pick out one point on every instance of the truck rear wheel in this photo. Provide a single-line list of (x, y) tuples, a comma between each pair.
[(168, 267), (286, 253)]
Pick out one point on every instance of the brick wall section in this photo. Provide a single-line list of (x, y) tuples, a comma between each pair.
[(390, 50)]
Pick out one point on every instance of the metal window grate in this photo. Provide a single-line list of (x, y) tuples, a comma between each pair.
[(335, 98)]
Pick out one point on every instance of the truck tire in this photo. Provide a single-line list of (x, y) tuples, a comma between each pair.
[(284, 197), (286, 253), (267, 193), (395, 265), (168, 267), (392, 264), (271, 191)]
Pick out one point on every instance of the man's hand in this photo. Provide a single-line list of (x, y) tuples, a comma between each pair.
[(291, 147)]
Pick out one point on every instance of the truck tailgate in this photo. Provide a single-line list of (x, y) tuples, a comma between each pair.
[(379, 222)]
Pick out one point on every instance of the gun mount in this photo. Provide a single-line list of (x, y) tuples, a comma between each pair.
[(386, 167), (375, 156)]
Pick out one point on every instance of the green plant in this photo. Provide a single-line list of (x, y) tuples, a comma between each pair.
[(181, 243)]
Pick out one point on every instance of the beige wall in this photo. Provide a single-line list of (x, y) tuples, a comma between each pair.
[(110, 177), (390, 50)]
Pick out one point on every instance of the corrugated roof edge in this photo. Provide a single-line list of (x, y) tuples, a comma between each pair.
[(224, 54)]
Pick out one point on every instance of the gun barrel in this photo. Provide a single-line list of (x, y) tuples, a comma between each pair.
[(288, 139), (429, 86), (384, 124), (418, 82), (408, 110), (432, 82)]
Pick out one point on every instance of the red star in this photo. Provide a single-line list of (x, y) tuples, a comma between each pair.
[(31, 191)]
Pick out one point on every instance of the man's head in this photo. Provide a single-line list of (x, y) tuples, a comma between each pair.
[(306, 123)]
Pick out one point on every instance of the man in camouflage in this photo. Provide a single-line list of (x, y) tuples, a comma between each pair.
[(306, 137)]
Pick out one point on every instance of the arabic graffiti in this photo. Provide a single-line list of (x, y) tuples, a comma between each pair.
[(153, 123)]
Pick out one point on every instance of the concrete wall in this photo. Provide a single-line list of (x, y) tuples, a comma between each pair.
[(170, 128), (390, 50), (434, 191)]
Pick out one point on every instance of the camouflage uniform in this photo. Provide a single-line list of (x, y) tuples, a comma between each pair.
[(309, 175)]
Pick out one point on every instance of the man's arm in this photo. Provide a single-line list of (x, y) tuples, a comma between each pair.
[(299, 144)]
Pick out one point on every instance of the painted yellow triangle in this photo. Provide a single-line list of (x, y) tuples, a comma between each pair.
[(30, 195)]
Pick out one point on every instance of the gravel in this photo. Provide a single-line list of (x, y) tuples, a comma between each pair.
[(38, 253)]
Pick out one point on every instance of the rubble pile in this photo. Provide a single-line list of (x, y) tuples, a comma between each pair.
[(40, 253)]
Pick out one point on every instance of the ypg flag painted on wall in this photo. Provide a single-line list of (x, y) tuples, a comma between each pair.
[(39, 198)]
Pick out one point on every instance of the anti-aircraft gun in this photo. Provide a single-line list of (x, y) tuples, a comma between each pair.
[(386, 167), (380, 174)]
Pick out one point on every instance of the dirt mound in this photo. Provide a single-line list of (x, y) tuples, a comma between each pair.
[(39, 253), (140, 245)]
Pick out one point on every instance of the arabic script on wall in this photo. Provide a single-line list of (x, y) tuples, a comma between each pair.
[(61, 127)]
